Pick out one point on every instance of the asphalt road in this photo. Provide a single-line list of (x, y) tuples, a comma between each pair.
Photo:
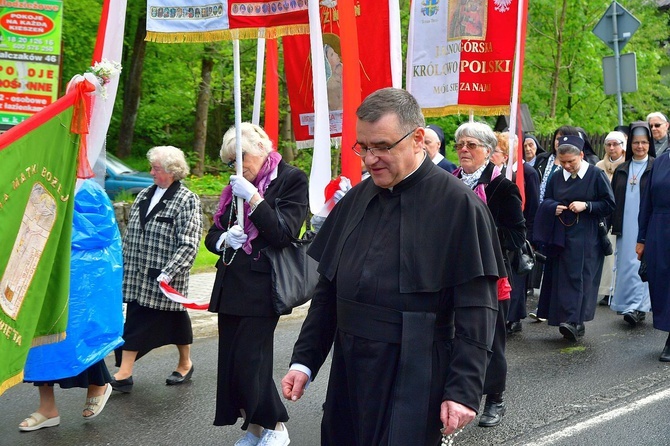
[(608, 389)]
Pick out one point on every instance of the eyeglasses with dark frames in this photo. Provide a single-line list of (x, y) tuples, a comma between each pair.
[(232, 163), (657, 125), (362, 150)]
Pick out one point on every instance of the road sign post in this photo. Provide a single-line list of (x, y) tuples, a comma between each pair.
[(615, 28)]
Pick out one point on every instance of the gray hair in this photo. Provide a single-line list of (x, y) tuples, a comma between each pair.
[(658, 115), (254, 141), (392, 101), (171, 159), (481, 132), (568, 149)]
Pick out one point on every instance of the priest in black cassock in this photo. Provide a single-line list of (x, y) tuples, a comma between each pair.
[(409, 261), (578, 197)]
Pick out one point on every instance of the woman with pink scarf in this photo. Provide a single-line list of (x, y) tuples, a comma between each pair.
[(475, 143), (242, 289)]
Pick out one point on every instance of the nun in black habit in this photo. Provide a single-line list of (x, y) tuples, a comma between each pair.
[(577, 199)]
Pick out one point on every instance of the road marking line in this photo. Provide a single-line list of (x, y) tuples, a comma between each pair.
[(607, 416)]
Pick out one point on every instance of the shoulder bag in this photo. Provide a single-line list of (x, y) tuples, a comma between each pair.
[(605, 244), (642, 272), (523, 259), (294, 273)]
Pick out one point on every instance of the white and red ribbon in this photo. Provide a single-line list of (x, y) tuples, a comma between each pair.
[(176, 296)]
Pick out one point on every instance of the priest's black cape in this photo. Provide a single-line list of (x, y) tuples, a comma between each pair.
[(426, 247)]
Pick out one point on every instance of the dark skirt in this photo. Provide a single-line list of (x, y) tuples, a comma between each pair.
[(146, 329), (245, 372), (96, 375), (518, 297), (496, 373)]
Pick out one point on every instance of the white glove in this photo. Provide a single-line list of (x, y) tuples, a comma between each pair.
[(236, 237), (345, 186), (337, 196), (242, 188), (163, 278)]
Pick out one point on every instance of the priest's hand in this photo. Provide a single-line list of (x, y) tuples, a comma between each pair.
[(455, 416), (293, 385), (560, 208)]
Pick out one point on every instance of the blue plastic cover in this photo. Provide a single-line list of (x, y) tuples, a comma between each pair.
[(95, 313)]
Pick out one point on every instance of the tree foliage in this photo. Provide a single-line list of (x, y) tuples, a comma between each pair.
[(172, 74), (564, 60)]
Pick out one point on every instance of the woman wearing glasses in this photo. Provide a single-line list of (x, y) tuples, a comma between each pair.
[(242, 294), (653, 241), (475, 143), (631, 295), (615, 146)]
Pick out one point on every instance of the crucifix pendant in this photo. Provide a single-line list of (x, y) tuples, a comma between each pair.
[(633, 182)]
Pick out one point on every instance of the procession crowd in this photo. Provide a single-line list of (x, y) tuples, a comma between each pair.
[(424, 270)]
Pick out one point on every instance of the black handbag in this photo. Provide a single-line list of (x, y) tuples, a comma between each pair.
[(523, 259), (642, 272), (605, 244), (294, 274)]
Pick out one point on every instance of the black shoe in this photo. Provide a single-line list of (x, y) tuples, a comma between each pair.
[(530, 292), (493, 413), (568, 330), (177, 378), (665, 356), (514, 327), (122, 385), (605, 301), (581, 329), (631, 317)]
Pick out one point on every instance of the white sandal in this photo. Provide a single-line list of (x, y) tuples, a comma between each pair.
[(37, 421), (95, 404)]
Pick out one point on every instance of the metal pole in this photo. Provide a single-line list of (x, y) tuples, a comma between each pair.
[(615, 37)]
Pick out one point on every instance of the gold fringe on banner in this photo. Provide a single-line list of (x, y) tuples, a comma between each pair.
[(227, 34), (335, 141), (48, 339), (479, 110), (11, 382)]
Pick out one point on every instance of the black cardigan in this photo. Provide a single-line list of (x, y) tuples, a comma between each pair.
[(619, 184)]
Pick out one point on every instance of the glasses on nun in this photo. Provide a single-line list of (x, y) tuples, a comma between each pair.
[(362, 150)]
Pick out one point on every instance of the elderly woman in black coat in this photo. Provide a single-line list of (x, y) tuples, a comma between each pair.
[(475, 143), (242, 289)]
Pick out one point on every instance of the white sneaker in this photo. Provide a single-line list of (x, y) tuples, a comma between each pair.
[(274, 438), (248, 440)]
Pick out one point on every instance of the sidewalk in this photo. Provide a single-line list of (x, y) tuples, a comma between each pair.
[(205, 323)]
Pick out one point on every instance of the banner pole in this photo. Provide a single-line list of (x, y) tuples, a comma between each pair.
[(238, 124)]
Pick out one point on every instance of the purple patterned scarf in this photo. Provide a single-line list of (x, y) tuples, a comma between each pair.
[(261, 182)]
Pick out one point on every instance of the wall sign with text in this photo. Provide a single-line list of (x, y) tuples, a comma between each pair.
[(30, 52)]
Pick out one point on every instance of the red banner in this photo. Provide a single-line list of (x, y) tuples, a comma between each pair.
[(375, 65), (461, 56)]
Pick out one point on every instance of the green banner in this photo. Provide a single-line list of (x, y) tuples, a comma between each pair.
[(30, 51), (37, 180)]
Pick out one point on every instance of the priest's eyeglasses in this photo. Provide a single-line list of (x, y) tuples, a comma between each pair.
[(362, 150)]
